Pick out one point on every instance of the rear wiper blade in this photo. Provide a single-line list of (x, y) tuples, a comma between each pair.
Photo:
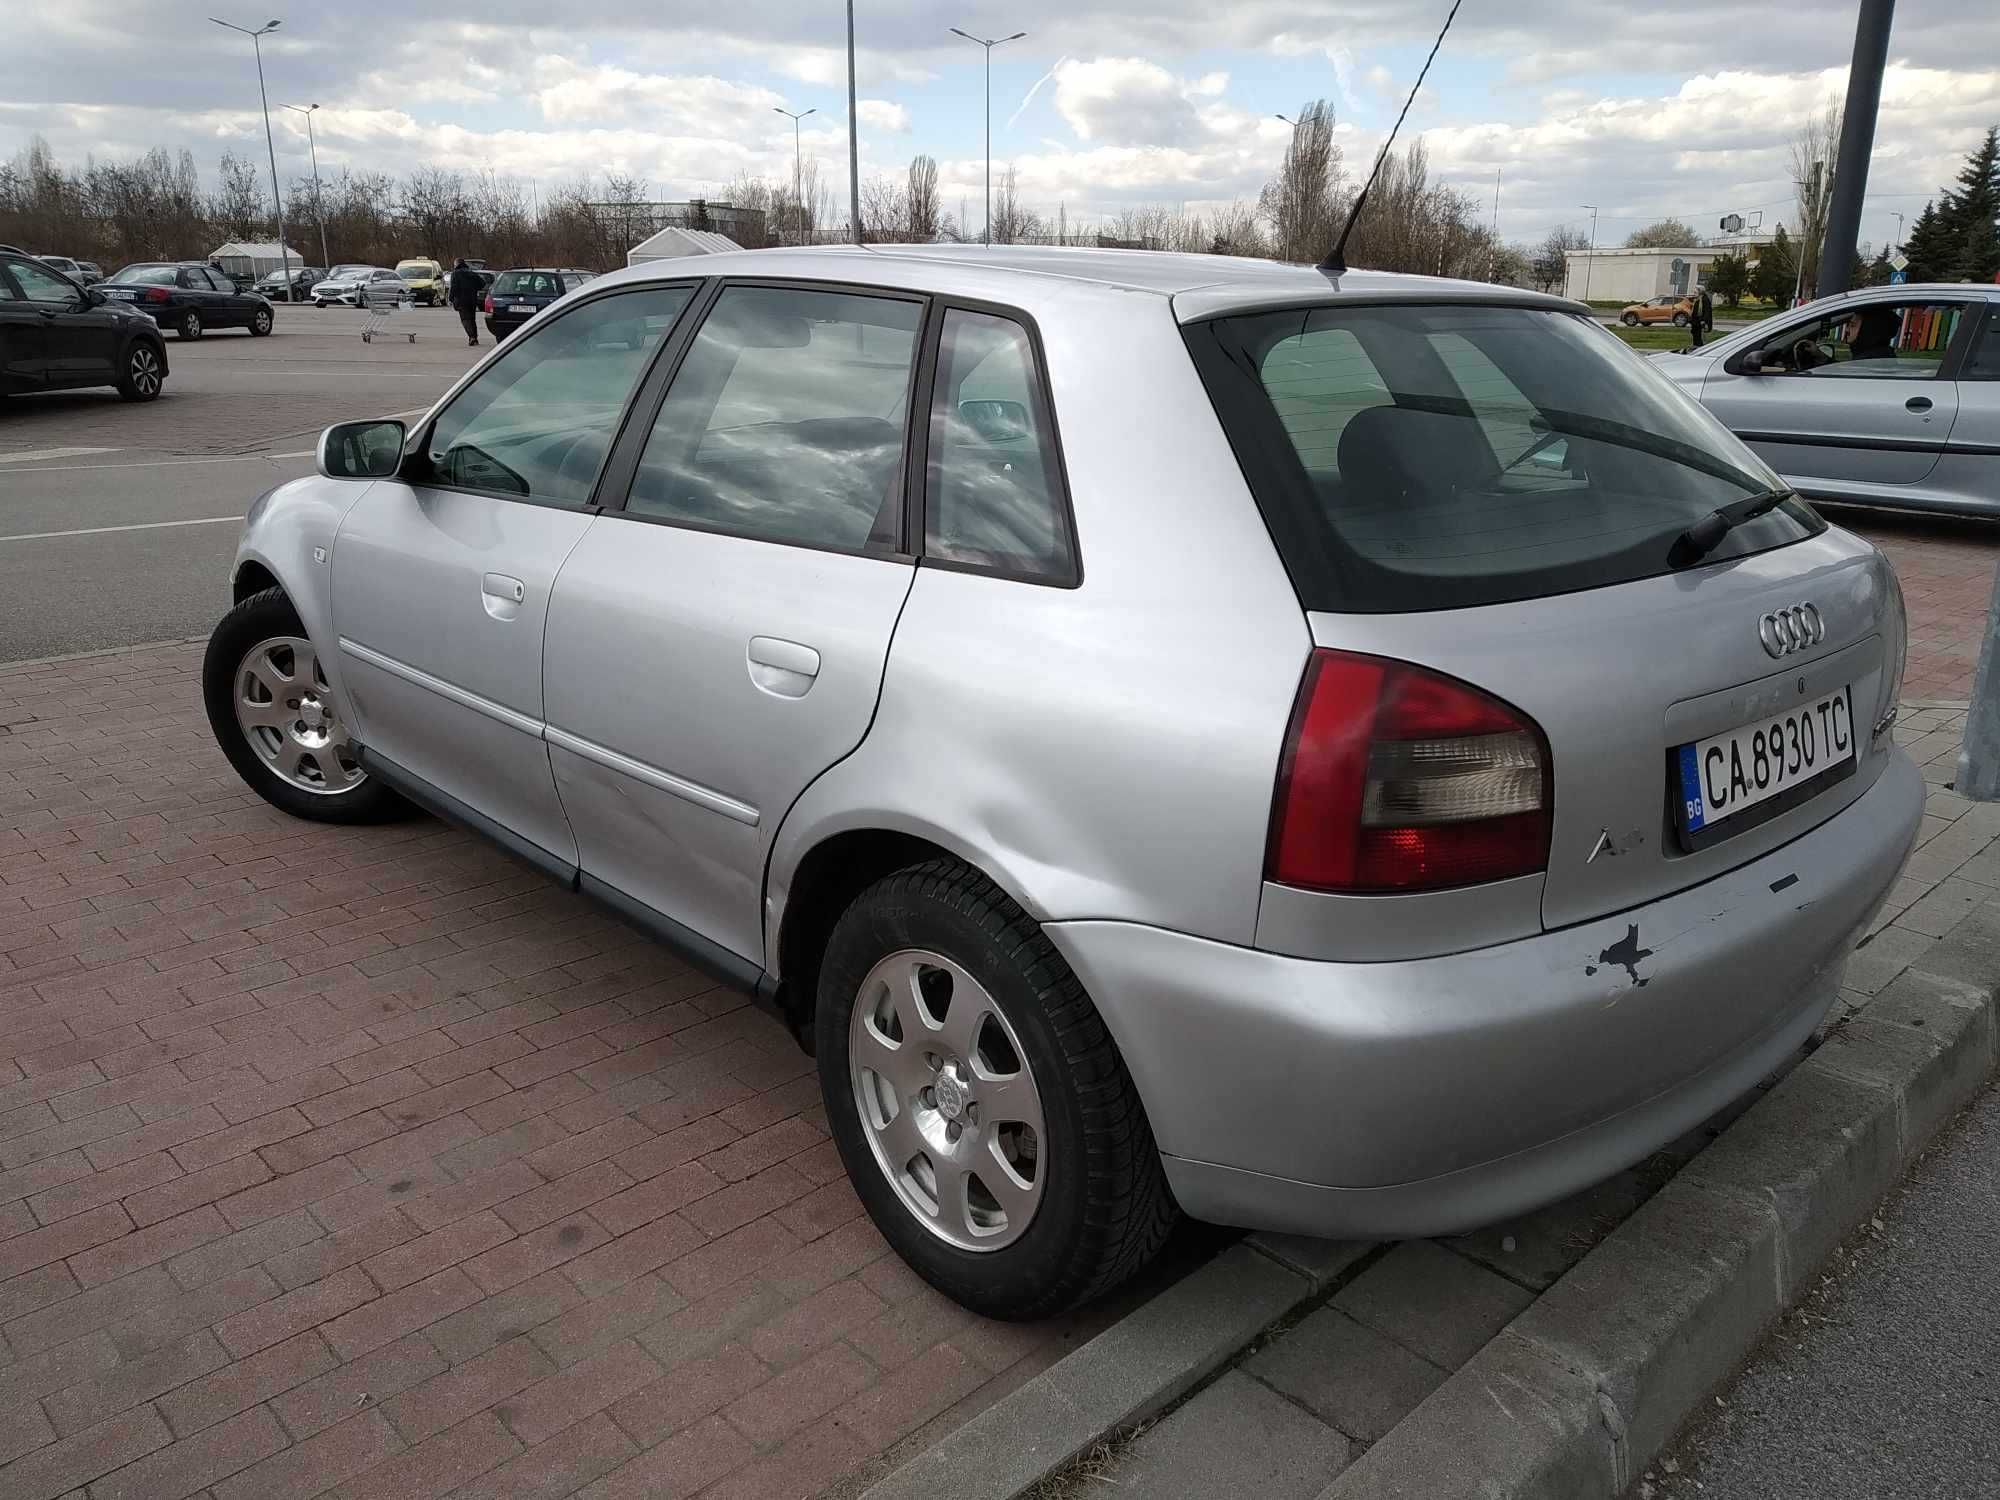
[(1702, 538)]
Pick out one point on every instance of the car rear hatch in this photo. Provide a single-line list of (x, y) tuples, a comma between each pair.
[(1508, 501), (522, 294)]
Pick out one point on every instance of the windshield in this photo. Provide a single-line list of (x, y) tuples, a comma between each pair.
[(339, 271), (148, 275), (1438, 457), (417, 273)]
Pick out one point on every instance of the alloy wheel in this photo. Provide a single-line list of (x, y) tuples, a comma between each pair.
[(287, 714), (191, 326), (947, 1100), (145, 370), (262, 322)]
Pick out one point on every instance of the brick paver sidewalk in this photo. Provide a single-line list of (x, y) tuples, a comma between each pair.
[(366, 1159), (1946, 569)]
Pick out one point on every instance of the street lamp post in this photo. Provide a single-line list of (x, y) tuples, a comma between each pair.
[(277, 199), (798, 164), (319, 203), (1590, 258), (989, 46)]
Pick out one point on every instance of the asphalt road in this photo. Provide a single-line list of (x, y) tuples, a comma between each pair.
[(117, 522), (1886, 1385)]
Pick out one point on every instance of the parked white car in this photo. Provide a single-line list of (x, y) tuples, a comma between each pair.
[(360, 286)]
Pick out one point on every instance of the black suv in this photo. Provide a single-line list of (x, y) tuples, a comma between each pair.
[(56, 335)]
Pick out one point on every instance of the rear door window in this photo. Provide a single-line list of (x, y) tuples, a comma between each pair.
[(526, 284), (1437, 457), (786, 419)]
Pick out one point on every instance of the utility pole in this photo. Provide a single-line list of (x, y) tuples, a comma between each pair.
[(989, 46), (1899, 233), (1493, 242), (257, 44), (1857, 143), (798, 164), (319, 202), (1591, 256), (853, 140)]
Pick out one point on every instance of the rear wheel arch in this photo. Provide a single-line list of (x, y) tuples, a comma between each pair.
[(824, 883)]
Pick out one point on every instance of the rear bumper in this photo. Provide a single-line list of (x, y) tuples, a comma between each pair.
[(1425, 1097)]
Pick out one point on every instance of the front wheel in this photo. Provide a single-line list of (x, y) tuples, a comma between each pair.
[(260, 323), (978, 1101), (1680, 320), (143, 373), (272, 711), (1630, 320), (189, 326)]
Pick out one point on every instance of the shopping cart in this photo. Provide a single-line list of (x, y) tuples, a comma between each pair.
[(379, 315)]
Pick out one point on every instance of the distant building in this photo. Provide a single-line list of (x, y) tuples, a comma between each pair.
[(633, 222), (1620, 275), (248, 262), (671, 243)]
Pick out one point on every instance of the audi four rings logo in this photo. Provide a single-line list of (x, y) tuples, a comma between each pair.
[(1784, 631)]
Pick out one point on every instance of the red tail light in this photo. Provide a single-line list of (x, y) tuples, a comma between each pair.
[(489, 302), (1399, 779), (157, 294)]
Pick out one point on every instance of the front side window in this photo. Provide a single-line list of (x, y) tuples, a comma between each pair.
[(1435, 457), (1895, 341), (7, 292), (39, 284), (539, 421), (994, 489), (785, 421)]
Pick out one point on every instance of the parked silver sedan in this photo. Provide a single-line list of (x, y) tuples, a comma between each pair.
[(1889, 396), (1358, 756)]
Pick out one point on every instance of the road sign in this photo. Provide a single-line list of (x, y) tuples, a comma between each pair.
[(1897, 278), (1730, 223), (1899, 261)]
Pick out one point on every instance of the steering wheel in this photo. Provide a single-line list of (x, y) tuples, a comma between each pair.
[(1809, 354)]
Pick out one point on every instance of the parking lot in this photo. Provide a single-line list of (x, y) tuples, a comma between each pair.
[(117, 521)]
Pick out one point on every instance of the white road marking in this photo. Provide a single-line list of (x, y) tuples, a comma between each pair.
[(42, 536), (164, 463), (40, 453)]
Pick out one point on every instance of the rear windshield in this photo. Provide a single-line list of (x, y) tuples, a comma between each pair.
[(1438, 457), (526, 284), (148, 276)]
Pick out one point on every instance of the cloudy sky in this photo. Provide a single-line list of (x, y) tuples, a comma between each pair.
[(1644, 109)]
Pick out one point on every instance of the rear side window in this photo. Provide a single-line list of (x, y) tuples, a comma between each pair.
[(538, 422), (785, 420), (1985, 361), (1439, 457), (994, 491)]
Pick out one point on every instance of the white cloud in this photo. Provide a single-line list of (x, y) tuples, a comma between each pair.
[(1127, 101), (883, 115)]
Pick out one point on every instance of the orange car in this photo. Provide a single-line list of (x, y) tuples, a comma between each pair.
[(1668, 309)]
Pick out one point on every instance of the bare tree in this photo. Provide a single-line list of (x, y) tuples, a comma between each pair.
[(1300, 201), (238, 208), (922, 200), (884, 210), (1413, 224), (1664, 234), (1549, 266), (1014, 223), (1813, 162)]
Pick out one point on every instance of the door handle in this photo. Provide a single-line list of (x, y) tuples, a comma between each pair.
[(502, 595), (785, 669), (1918, 403)]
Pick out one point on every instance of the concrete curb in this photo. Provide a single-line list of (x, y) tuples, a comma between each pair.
[(1584, 1389), (1588, 1385), (1139, 1365)]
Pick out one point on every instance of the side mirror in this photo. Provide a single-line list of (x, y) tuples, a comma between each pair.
[(997, 421), (361, 450), (94, 297)]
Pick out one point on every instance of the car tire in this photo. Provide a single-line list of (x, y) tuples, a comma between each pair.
[(305, 765), (1630, 320), (189, 327), (260, 323), (1680, 320), (143, 372), (1093, 1199)]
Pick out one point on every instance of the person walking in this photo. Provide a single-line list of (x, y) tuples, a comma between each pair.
[(462, 292)]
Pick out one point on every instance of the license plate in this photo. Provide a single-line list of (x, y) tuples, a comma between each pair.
[(526, 307), (124, 296), (1732, 772)]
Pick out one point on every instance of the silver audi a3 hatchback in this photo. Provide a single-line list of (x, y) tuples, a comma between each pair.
[(1361, 756)]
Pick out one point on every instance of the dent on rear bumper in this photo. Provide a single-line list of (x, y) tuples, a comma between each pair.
[(1424, 1096)]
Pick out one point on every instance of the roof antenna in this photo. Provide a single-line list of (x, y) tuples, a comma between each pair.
[(1335, 263)]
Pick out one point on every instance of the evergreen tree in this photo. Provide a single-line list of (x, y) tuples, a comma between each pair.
[(1729, 279), (1970, 211), (1931, 247), (1776, 270), (1878, 271)]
